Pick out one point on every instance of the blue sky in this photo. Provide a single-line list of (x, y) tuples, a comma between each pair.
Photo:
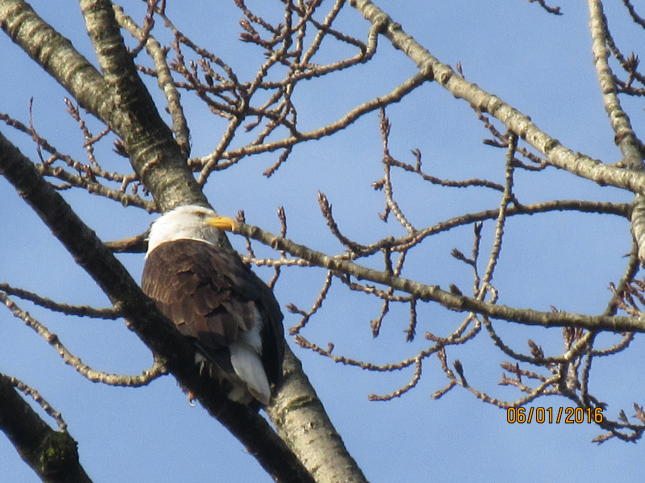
[(540, 64)]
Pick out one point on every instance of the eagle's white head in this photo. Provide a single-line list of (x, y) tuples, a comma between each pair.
[(188, 222)]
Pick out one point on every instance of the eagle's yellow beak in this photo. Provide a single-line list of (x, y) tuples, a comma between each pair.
[(222, 222)]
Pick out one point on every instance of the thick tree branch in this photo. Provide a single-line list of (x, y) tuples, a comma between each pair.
[(51, 454), (301, 419), (624, 135), (56, 55), (120, 99), (148, 140)]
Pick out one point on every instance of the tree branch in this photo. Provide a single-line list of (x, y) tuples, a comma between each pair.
[(79, 310), (149, 324), (301, 419), (134, 118), (459, 303), (557, 154), (51, 454), (624, 135), (164, 78)]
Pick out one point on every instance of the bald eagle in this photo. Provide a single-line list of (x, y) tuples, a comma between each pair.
[(215, 299)]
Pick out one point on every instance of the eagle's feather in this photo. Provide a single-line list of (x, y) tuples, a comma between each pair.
[(230, 313)]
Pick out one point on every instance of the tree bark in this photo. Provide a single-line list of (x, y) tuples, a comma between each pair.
[(51, 454)]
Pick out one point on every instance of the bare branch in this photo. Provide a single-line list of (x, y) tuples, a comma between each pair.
[(447, 299), (551, 10), (70, 359), (557, 154), (79, 310)]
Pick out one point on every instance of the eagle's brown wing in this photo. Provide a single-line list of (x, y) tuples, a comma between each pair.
[(212, 297)]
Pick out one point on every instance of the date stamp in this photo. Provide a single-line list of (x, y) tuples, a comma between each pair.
[(542, 415)]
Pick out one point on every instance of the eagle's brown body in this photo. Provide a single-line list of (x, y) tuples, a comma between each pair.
[(216, 300)]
